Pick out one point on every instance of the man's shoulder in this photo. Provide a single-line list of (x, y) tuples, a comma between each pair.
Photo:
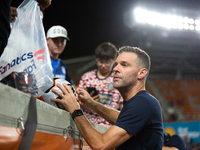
[(142, 95), (144, 98), (61, 62), (145, 94)]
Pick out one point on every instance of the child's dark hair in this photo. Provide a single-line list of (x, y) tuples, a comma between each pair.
[(106, 50)]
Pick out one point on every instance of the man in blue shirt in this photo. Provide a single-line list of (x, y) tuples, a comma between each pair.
[(139, 125), (56, 41)]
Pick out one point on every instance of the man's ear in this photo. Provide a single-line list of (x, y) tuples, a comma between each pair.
[(142, 73), (47, 39)]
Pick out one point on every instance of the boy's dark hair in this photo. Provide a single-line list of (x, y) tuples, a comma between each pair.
[(106, 50)]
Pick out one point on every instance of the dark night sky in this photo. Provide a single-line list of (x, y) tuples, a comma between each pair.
[(89, 23)]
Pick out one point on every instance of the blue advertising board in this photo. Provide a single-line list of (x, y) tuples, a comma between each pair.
[(191, 130)]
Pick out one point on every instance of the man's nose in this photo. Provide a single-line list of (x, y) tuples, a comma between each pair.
[(115, 68), (59, 43)]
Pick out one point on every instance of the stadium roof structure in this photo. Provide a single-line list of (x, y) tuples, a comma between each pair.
[(175, 53)]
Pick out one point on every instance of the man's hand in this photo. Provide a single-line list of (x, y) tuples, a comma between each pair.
[(84, 97), (44, 3), (68, 99), (95, 97), (13, 11)]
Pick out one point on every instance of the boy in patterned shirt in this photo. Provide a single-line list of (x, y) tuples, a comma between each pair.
[(102, 79)]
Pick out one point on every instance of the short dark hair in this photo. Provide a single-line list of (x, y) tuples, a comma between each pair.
[(143, 58), (106, 50)]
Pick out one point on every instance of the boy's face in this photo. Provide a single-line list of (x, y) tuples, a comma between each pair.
[(56, 45), (104, 65)]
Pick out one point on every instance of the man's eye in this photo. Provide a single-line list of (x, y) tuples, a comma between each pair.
[(124, 65), (55, 40)]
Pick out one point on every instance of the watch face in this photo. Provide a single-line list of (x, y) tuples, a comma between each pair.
[(78, 112)]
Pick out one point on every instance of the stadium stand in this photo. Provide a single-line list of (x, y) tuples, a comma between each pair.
[(182, 95)]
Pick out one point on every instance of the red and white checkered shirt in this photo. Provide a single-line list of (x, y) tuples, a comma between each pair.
[(110, 97)]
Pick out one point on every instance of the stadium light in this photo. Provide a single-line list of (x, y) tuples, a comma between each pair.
[(166, 20)]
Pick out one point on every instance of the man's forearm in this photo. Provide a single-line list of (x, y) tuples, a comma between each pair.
[(108, 114), (88, 132)]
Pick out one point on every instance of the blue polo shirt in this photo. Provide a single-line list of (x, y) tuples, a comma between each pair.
[(60, 70)]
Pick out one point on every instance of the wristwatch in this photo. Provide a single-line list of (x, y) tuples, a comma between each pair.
[(76, 113)]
